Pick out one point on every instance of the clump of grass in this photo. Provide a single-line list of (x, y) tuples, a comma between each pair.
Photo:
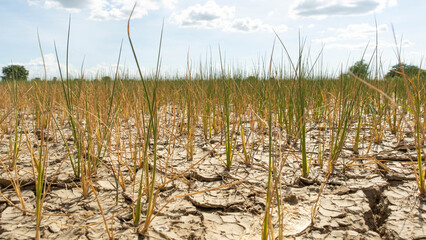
[(80, 169), (190, 115), (358, 130), (15, 143), (343, 113), (267, 226), (414, 99), (151, 132)]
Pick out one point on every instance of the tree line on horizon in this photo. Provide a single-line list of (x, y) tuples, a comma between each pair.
[(360, 69)]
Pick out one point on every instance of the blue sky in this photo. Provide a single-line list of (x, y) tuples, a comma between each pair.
[(194, 30)]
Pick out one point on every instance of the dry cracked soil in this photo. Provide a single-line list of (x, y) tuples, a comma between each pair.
[(370, 195)]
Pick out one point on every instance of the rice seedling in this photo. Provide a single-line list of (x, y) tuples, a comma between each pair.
[(39, 167), (190, 115), (15, 143), (229, 143), (67, 87), (245, 144), (151, 100), (343, 114), (267, 226), (15, 182), (358, 130)]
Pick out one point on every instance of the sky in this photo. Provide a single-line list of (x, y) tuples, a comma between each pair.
[(240, 34)]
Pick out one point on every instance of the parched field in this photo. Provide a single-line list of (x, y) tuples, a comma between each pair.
[(213, 158)]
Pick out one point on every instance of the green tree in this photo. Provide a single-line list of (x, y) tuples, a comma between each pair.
[(360, 69), (106, 79), (16, 72), (409, 70)]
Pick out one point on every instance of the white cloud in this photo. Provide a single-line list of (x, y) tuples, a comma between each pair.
[(211, 15), (352, 32), (36, 69), (405, 43), (72, 6), (417, 54), (107, 9), (252, 25), (392, 3), (120, 9), (363, 45), (356, 36), (325, 8), (343, 45)]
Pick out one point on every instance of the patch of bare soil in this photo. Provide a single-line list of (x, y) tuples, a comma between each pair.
[(370, 195)]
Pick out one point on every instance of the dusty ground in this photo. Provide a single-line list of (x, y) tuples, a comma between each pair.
[(367, 196)]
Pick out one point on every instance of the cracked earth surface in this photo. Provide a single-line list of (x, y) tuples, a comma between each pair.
[(370, 195)]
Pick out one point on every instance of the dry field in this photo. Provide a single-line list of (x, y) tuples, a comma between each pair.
[(214, 155), (223, 155)]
